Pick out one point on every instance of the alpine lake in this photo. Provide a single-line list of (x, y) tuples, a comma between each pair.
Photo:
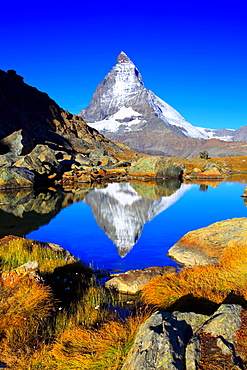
[(121, 226)]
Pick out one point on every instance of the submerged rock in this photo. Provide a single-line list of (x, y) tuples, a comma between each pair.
[(245, 193), (156, 190), (132, 281)]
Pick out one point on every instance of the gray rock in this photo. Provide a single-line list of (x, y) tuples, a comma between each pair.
[(42, 160), (98, 153), (7, 160), (170, 172), (17, 143), (134, 280), (208, 244), (161, 341), (172, 341), (122, 164), (223, 325), (30, 162), (45, 155), (204, 155), (211, 165), (13, 177), (156, 167), (82, 160)]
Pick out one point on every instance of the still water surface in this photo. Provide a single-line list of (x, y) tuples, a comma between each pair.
[(129, 226), (120, 226)]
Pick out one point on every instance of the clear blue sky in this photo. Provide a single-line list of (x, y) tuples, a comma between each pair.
[(192, 54)]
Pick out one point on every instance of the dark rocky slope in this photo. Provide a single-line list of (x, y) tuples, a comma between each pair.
[(41, 120)]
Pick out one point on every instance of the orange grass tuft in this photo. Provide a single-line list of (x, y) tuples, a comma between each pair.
[(16, 252), (23, 312), (86, 348), (212, 282)]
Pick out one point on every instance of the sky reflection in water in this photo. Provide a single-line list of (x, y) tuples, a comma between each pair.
[(76, 229)]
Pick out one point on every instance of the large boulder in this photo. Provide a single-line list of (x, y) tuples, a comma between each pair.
[(17, 143), (7, 160), (204, 155), (179, 341), (134, 280), (156, 167), (207, 245), (14, 177), (42, 160), (212, 173), (161, 341), (96, 153), (221, 329)]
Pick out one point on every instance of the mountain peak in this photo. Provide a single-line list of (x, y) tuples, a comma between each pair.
[(123, 58), (121, 104)]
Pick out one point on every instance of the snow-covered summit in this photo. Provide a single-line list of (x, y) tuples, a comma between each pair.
[(123, 58)]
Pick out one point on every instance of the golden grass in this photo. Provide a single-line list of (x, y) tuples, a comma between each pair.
[(213, 282), (72, 329), (19, 251), (24, 310), (86, 348)]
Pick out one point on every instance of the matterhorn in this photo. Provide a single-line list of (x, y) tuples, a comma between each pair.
[(124, 110)]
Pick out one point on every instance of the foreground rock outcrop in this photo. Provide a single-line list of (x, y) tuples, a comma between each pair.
[(175, 341), (207, 245)]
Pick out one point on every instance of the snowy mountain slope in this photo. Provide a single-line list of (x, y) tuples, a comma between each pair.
[(121, 104)]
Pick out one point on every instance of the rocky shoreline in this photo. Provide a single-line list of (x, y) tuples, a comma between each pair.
[(44, 166), (175, 339)]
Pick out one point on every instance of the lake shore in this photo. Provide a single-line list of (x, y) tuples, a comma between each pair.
[(210, 293)]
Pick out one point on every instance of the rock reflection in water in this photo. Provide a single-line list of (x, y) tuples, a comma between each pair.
[(24, 211), (122, 210)]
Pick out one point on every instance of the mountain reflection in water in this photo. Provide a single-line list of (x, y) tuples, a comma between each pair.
[(122, 210)]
